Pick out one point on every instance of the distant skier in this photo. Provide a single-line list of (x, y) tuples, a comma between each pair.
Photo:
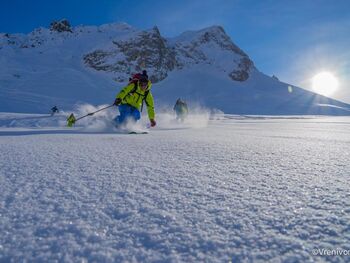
[(181, 110), (54, 110), (71, 120), (130, 100)]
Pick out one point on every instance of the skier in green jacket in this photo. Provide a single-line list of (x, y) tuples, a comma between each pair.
[(130, 100)]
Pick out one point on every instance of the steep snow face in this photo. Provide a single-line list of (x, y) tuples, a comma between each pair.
[(64, 66)]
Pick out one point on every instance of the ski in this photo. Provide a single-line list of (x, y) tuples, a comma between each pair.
[(134, 132)]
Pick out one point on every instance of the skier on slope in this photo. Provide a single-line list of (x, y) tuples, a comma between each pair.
[(71, 120), (54, 110), (181, 110), (130, 100)]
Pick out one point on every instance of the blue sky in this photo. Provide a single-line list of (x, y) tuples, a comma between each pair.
[(293, 40)]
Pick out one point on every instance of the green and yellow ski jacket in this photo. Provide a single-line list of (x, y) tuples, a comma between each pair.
[(134, 97)]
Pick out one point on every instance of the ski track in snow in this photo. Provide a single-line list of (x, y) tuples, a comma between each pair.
[(240, 189)]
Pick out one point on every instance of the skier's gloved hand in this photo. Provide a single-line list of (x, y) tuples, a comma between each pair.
[(153, 122), (117, 101)]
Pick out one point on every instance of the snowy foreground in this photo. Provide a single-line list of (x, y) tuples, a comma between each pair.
[(229, 189)]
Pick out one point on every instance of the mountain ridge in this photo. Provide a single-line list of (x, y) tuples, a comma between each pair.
[(66, 65)]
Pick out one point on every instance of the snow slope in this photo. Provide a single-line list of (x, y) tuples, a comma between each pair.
[(260, 94), (51, 72), (234, 188)]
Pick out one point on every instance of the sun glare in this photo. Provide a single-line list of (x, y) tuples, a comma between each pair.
[(324, 83)]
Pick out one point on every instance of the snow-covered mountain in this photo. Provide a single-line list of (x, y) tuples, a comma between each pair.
[(66, 65)]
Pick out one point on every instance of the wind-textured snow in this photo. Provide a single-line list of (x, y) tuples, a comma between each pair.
[(233, 189)]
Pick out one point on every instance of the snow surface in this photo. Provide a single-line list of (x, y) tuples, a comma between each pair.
[(239, 188)]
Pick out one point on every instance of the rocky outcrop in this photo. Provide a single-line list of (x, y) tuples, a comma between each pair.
[(196, 50), (275, 77), (149, 50), (241, 73), (61, 26), (96, 60)]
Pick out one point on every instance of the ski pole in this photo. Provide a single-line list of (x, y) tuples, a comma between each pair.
[(72, 120), (92, 113)]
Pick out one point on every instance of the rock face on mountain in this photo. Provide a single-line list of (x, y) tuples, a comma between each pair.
[(208, 46), (148, 49)]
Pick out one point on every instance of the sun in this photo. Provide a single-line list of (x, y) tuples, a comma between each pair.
[(324, 83)]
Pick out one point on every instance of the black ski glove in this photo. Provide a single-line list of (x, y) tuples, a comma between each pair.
[(117, 101), (153, 122)]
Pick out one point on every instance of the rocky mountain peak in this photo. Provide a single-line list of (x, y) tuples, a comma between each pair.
[(218, 35), (214, 47), (61, 26)]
